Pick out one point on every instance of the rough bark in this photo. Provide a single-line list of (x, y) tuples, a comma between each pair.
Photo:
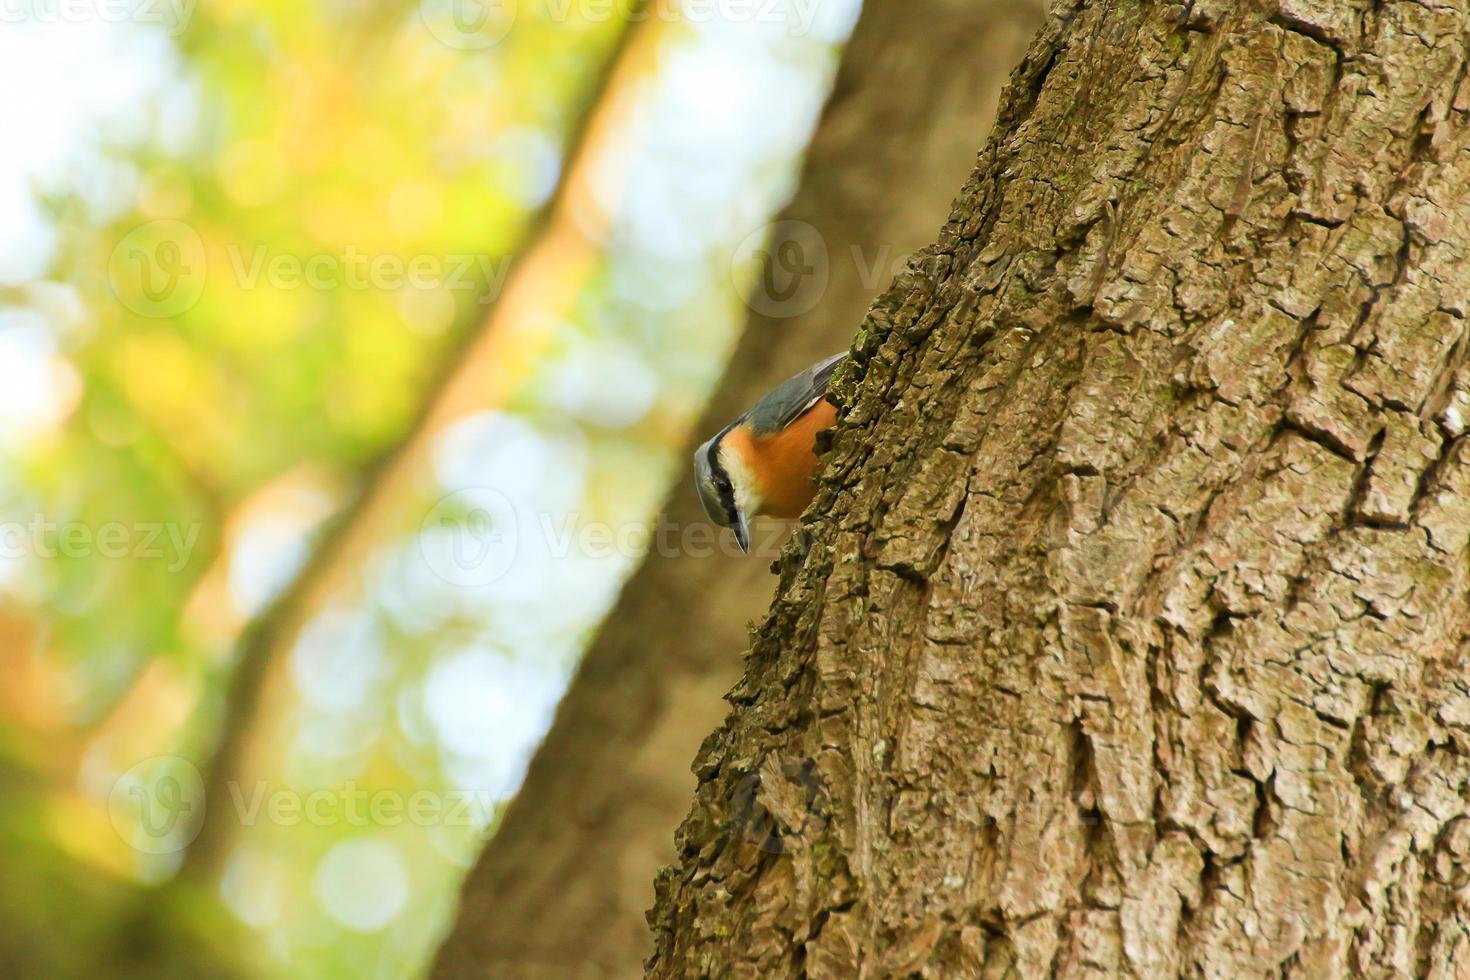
[(1132, 639), (578, 848)]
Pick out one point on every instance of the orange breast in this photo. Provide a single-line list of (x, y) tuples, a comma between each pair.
[(786, 463)]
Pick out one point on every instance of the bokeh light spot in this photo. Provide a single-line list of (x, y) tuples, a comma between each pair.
[(363, 883)]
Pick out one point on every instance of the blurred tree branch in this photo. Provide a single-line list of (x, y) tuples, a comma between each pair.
[(468, 373)]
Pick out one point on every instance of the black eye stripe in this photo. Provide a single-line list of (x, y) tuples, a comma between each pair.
[(719, 478)]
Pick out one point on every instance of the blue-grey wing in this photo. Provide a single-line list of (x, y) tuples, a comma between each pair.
[(793, 397)]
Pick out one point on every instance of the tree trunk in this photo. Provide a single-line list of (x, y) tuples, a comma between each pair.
[(578, 848), (1132, 638)]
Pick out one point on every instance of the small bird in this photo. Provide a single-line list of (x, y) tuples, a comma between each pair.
[(765, 462)]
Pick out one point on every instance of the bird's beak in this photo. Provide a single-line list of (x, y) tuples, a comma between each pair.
[(742, 533)]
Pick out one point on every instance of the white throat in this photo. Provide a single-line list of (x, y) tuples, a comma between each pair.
[(742, 481)]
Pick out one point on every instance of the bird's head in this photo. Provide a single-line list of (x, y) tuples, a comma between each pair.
[(726, 484)]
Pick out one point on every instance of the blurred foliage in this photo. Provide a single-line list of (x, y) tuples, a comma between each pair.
[(260, 258), (318, 135)]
